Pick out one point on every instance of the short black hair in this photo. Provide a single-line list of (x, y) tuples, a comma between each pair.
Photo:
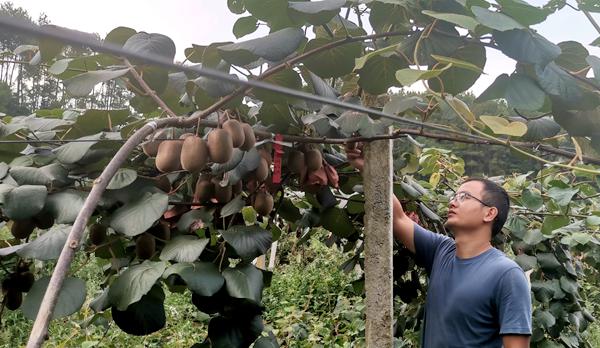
[(494, 195)]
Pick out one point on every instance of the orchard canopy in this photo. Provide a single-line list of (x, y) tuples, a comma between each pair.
[(186, 178)]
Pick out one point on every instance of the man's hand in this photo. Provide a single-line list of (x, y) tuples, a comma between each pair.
[(355, 155)]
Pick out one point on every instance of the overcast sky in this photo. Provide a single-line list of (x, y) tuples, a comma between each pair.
[(206, 21)]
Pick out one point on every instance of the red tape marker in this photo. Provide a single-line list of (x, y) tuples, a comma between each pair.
[(278, 152)]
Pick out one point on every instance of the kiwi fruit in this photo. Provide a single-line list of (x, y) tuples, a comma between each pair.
[(24, 281), (223, 194), (10, 282), (145, 246), (21, 229), (163, 183), (265, 152), (204, 191), (262, 171), (235, 130), (13, 299), (295, 162), (97, 234), (161, 230), (186, 135), (168, 156), (194, 154), (43, 220), (150, 147), (314, 159), (249, 138), (263, 203), (220, 146)]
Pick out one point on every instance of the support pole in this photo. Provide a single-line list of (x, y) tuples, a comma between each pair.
[(378, 243)]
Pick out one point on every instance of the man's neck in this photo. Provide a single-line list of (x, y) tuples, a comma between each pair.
[(471, 244)]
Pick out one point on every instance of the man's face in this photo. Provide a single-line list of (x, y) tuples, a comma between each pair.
[(466, 212)]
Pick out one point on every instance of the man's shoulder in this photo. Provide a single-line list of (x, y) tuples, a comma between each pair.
[(500, 262)]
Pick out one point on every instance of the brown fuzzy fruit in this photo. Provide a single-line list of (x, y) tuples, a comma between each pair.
[(314, 160), (234, 128), (249, 138), (295, 161), (194, 154), (265, 152), (167, 158), (262, 171), (13, 299), (43, 220), (97, 234), (186, 135), (145, 246), (150, 147), (204, 191), (21, 229), (223, 194), (263, 203), (220, 146), (24, 281)]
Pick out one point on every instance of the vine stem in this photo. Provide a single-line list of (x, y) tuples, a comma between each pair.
[(589, 17), (40, 327), (147, 88)]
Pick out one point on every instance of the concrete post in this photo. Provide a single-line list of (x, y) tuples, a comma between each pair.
[(378, 243)]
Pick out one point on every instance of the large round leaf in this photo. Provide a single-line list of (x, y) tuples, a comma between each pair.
[(573, 56), (334, 62), (273, 47), (151, 45), (541, 128), (314, 12), (83, 84), (119, 35), (558, 83), (526, 46), (523, 12), (65, 205), (203, 278), (137, 216), (48, 246), (134, 282), (457, 79), (286, 78), (524, 94), (495, 20), (230, 332), (244, 281), (377, 75), (337, 221), (123, 177), (144, 316), (248, 241), (185, 248), (70, 298), (24, 201)]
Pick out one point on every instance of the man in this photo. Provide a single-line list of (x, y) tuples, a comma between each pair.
[(477, 297)]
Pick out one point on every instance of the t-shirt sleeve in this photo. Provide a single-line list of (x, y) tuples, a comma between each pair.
[(513, 298), (427, 245)]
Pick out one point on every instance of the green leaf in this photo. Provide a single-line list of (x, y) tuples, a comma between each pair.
[(193, 220), (495, 20), (48, 246), (523, 93), (461, 108), (569, 285), (184, 248), (399, 104), (119, 35), (552, 223), (334, 62), (134, 282), (314, 12), (359, 63), (70, 298), (144, 316), (249, 242), (273, 47), (73, 152), (457, 63), (244, 26), (523, 12), (215, 88), (83, 84), (533, 237), (236, 6), (526, 46), (562, 196), (151, 45), (94, 121), (541, 128), (244, 281), (594, 62), (123, 178), (557, 82), (203, 278), (589, 5), (233, 207), (457, 79), (24, 201), (286, 78), (545, 318), (532, 199), (573, 56), (409, 76), (548, 262), (458, 19), (377, 75), (337, 221), (526, 262), (137, 216), (500, 125), (496, 90), (65, 205)]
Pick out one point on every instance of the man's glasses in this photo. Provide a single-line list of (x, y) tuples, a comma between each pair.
[(461, 196)]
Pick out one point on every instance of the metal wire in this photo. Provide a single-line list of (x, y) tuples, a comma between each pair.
[(84, 39)]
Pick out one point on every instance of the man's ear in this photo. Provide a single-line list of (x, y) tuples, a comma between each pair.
[(491, 214)]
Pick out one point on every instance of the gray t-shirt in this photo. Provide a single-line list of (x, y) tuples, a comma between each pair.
[(470, 302)]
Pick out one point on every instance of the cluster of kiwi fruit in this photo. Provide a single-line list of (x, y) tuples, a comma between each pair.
[(192, 153), (21, 229), (15, 284), (304, 160)]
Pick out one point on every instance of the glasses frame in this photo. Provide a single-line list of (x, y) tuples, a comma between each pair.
[(467, 195)]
